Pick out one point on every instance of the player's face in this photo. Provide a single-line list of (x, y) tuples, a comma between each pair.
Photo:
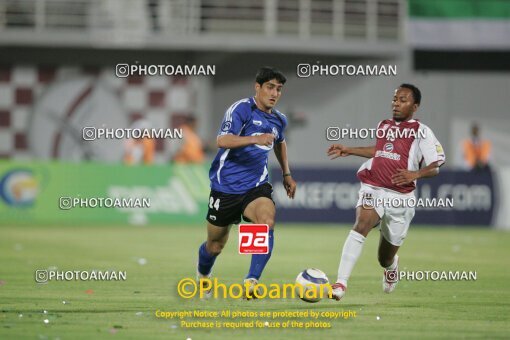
[(403, 104), (268, 93)]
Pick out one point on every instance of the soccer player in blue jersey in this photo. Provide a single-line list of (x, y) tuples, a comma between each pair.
[(251, 128)]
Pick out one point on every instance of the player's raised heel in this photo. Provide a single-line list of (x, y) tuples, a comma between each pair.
[(249, 288), (337, 291), (390, 279), (200, 279)]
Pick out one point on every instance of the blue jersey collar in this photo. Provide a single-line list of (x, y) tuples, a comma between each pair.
[(254, 107)]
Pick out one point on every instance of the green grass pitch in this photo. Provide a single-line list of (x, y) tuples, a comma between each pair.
[(126, 309)]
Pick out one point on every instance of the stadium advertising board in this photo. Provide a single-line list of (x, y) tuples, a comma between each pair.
[(101, 193), (330, 195)]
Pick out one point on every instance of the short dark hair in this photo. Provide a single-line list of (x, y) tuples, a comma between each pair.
[(267, 73), (416, 92)]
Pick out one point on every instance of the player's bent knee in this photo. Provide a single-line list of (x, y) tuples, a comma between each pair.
[(269, 222), (265, 219), (362, 228), (215, 248)]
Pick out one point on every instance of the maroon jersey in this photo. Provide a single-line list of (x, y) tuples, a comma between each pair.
[(400, 145)]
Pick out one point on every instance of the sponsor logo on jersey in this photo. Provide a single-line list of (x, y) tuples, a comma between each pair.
[(257, 122), (390, 134), (263, 147), (388, 147), (389, 155), (226, 126), (275, 132)]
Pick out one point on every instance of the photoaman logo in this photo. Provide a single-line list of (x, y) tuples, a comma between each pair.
[(188, 288), (253, 239)]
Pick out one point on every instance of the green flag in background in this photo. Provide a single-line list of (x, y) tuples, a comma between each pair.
[(460, 24)]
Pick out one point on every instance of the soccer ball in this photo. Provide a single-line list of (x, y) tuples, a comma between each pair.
[(314, 285)]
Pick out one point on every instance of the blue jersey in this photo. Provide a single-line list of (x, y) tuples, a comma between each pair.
[(235, 171)]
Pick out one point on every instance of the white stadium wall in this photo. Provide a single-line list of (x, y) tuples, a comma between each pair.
[(42, 110)]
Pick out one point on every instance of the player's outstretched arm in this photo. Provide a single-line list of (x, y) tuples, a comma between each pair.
[(230, 141), (280, 150), (339, 150)]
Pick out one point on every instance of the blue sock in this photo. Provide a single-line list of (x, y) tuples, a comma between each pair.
[(259, 261), (205, 260)]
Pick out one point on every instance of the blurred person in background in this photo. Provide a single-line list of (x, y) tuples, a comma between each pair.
[(191, 149), (153, 6), (139, 150), (476, 150)]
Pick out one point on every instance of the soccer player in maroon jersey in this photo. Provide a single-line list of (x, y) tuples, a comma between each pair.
[(406, 151)]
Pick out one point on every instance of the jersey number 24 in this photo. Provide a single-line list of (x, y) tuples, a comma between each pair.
[(213, 204)]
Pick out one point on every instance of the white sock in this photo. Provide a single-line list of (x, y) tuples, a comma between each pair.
[(393, 266), (352, 250)]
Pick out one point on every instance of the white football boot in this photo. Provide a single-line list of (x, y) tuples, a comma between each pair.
[(249, 293), (390, 279), (208, 293), (337, 291)]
